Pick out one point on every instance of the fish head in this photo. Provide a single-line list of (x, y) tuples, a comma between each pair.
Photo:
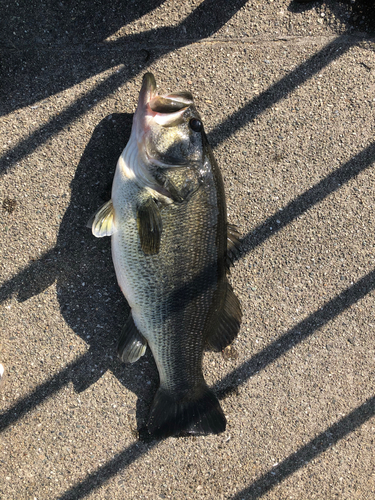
[(168, 127)]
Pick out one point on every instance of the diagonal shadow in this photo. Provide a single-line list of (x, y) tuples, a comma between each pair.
[(61, 120), (246, 114), (67, 262), (301, 204), (258, 362), (36, 277), (331, 183), (78, 368), (81, 269), (51, 257), (360, 14), (299, 459), (319, 444), (279, 90), (96, 479), (208, 16), (307, 453), (297, 334), (40, 62), (45, 391)]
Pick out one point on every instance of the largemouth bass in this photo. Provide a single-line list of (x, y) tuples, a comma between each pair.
[(168, 223)]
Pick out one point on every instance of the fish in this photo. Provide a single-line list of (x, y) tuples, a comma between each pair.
[(171, 249)]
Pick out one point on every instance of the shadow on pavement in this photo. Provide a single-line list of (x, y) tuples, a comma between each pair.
[(258, 362), (329, 311), (87, 300), (359, 163), (96, 479), (265, 483), (209, 19), (356, 14), (42, 40), (71, 262), (81, 265), (282, 88), (100, 302), (307, 453)]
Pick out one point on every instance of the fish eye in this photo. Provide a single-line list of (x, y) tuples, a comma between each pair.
[(196, 125)]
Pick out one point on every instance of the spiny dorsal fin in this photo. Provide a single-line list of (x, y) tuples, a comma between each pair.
[(226, 324), (150, 226), (102, 222), (132, 344)]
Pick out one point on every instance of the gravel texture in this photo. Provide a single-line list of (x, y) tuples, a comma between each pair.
[(287, 95)]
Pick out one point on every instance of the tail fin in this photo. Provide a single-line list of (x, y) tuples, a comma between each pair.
[(198, 412)]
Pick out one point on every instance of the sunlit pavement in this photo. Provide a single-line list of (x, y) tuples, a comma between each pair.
[(287, 96)]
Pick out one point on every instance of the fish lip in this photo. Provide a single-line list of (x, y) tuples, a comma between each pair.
[(148, 89), (172, 110), (182, 97), (144, 113), (167, 119), (148, 93), (171, 103)]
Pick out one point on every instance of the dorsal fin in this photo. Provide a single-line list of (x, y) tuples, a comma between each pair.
[(233, 244), (226, 323)]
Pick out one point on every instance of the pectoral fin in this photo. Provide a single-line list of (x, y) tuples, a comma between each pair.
[(226, 323), (132, 344), (150, 226), (102, 223)]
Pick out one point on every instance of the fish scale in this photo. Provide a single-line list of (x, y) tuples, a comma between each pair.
[(171, 324), (167, 220)]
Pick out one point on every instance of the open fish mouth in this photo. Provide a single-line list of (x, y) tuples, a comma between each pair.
[(162, 130), (166, 110)]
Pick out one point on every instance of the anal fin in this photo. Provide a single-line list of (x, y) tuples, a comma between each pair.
[(132, 344), (226, 323)]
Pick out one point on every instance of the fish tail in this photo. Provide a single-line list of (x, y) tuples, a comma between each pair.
[(197, 412)]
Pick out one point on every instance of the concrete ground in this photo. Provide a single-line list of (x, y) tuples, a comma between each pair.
[(287, 95)]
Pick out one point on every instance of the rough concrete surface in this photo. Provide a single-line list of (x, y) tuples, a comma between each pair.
[(287, 95)]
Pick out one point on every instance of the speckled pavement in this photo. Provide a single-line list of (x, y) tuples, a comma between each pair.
[(287, 95)]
